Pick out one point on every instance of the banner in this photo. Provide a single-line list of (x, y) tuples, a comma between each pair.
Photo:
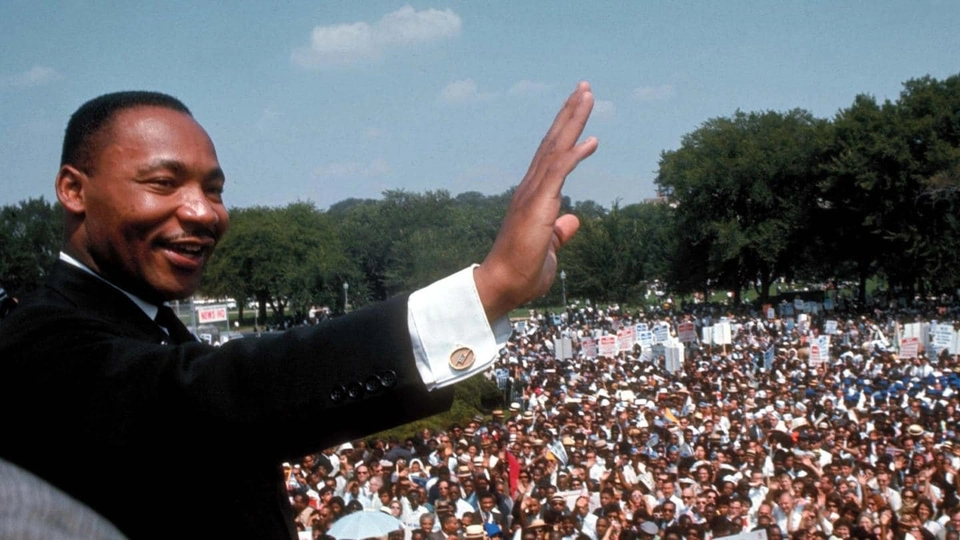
[(562, 348), (645, 339), (830, 327)]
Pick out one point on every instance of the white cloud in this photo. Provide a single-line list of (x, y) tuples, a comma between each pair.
[(374, 133), (528, 88), (653, 93), (464, 91), (603, 109), (35, 76), (351, 169), (349, 43), (407, 26)]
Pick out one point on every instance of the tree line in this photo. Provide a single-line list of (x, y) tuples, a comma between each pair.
[(744, 201)]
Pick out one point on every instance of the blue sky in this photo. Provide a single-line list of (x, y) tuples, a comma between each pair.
[(323, 101)]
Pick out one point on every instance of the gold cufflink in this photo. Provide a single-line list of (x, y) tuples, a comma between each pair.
[(462, 358)]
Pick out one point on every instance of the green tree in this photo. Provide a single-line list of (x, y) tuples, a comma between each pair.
[(743, 189), (617, 251), (31, 234), (282, 258), (885, 187)]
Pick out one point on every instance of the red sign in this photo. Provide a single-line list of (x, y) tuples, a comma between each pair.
[(211, 314)]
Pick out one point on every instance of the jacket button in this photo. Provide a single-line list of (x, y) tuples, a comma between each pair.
[(388, 378), (355, 390), (372, 384), (338, 394)]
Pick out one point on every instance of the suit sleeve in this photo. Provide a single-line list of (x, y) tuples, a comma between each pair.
[(276, 396)]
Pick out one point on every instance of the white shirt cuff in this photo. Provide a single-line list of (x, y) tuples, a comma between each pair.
[(445, 317)]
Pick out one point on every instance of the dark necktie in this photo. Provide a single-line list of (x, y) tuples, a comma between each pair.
[(174, 326)]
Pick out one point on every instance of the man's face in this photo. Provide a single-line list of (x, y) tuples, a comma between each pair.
[(734, 510), (764, 515), (151, 210), (883, 480)]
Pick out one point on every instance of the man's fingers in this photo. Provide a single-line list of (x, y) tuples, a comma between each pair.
[(564, 164), (564, 228), (549, 143)]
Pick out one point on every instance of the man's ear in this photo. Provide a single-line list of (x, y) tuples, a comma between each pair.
[(70, 185)]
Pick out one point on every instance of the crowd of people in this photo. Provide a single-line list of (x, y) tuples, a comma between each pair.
[(751, 436)]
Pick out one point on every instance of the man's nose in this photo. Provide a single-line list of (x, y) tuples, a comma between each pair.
[(198, 208)]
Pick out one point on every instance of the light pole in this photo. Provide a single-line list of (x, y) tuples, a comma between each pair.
[(346, 297), (563, 287)]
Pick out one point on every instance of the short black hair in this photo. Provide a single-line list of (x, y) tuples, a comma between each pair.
[(79, 140)]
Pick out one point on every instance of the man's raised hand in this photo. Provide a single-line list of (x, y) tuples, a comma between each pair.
[(522, 264)]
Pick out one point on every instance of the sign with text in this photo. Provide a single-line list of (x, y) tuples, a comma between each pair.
[(661, 332), (645, 339), (909, 347), (211, 314), (626, 337), (687, 332), (944, 337), (608, 346), (589, 346)]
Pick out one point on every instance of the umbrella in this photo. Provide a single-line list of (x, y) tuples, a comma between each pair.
[(363, 524)]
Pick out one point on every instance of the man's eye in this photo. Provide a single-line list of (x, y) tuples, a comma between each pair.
[(162, 182)]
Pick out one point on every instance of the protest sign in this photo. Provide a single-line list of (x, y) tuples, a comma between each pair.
[(687, 332), (589, 346), (626, 337), (661, 332), (608, 346), (909, 347)]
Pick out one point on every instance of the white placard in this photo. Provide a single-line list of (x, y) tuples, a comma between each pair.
[(608, 346)]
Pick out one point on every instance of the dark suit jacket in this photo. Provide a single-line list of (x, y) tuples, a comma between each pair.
[(185, 441)]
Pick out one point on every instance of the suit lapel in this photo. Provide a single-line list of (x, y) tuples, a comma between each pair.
[(104, 302)]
